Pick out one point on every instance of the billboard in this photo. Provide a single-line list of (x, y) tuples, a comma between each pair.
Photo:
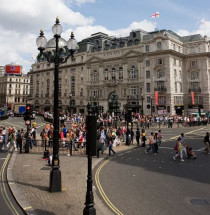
[(13, 69)]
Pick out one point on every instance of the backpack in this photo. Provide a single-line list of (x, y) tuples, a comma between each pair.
[(176, 147)]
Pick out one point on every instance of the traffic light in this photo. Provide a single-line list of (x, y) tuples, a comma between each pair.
[(28, 112)]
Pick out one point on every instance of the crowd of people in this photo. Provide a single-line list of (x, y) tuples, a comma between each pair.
[(111, 132)]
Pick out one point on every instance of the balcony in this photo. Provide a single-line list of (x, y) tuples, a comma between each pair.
[(160, 89), (133, 97), (159, 79), (194, 80), (196, 90)]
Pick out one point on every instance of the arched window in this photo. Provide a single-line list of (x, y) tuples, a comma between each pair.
[(120, 73), (106, 74), (133, 72), (160, 74), (113, 74)]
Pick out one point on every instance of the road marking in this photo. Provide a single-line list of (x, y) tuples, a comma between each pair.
[(2, 158), (27, 208), (105, 198), (190, 132), (3, 190)]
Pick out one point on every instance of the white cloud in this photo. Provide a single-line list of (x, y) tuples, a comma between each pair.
[(203, 29), (80, 2)]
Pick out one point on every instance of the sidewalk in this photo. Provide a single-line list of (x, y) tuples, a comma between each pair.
[(28, 178)]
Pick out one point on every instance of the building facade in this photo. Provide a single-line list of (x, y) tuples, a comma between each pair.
[(134, 68), (14, 90)]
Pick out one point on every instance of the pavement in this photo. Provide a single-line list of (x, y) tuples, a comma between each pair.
[(28, 177)]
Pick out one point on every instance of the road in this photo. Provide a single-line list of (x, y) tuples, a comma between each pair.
[(8, 204), (136, 183)]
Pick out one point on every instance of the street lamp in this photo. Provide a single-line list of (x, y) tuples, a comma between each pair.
[(57, 58), (151, 105)]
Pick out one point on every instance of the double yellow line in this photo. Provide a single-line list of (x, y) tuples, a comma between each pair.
[(106, 199), (3, 186)]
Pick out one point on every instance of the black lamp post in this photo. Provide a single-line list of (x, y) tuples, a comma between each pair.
[(91, 127), (57, 58), (151, 105)]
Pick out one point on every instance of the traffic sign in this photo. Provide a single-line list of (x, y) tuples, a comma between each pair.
[(28, 122)]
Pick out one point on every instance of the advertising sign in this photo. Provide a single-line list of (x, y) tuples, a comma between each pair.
[(13, 70)]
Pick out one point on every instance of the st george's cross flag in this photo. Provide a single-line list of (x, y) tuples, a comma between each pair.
[(203, 21), (156, 15)]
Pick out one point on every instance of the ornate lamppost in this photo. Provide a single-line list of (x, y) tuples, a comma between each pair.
[(57, 58)]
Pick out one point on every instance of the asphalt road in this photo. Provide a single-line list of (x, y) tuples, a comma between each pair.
[(137, 183), (8, 204)]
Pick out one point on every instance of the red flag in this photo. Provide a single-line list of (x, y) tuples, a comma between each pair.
[(156, 15), (193, 98), (156, 98)]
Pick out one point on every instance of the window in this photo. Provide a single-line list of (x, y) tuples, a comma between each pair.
[(106, 74), (148, 99), (148, 87), (193, 63), (192, 50), (133, 91), (194, 75), (174, 62), (160, 61), (160, 85), (48, 88), (147, 74), (133, 72), (161, 100), (120, 73), (159, 45), (37, 87), (72, 86), (147, 48), (174, 47), (113, 74), (160, 74), (147, 62), (95, 76)]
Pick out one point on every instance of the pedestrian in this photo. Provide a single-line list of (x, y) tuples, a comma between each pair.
[(183, 144), (132, 135), (137, 136), (159, 137), (102, 141), (111, 140), (33, 136), (207, 143), (143, 137), (156, 150), (19, 140), (151, 144), (178, 148)]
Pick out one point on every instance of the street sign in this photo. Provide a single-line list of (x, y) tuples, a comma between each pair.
[(69, 124), (28, 122)]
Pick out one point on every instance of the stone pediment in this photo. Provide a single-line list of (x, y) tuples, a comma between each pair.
[(94, 59), (132, 53)]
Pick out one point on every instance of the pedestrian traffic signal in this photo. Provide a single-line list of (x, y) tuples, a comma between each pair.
[(28, 112)]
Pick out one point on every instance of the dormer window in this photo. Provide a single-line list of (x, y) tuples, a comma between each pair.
[(159, 45)]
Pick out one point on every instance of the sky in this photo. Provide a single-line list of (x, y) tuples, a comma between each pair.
[(21, 21)]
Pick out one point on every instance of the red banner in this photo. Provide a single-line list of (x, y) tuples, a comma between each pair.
[(193, 98), (13, 69), (156, 98)]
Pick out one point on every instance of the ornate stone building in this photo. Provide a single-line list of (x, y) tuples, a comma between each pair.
[(133, 67), (14, 90)]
